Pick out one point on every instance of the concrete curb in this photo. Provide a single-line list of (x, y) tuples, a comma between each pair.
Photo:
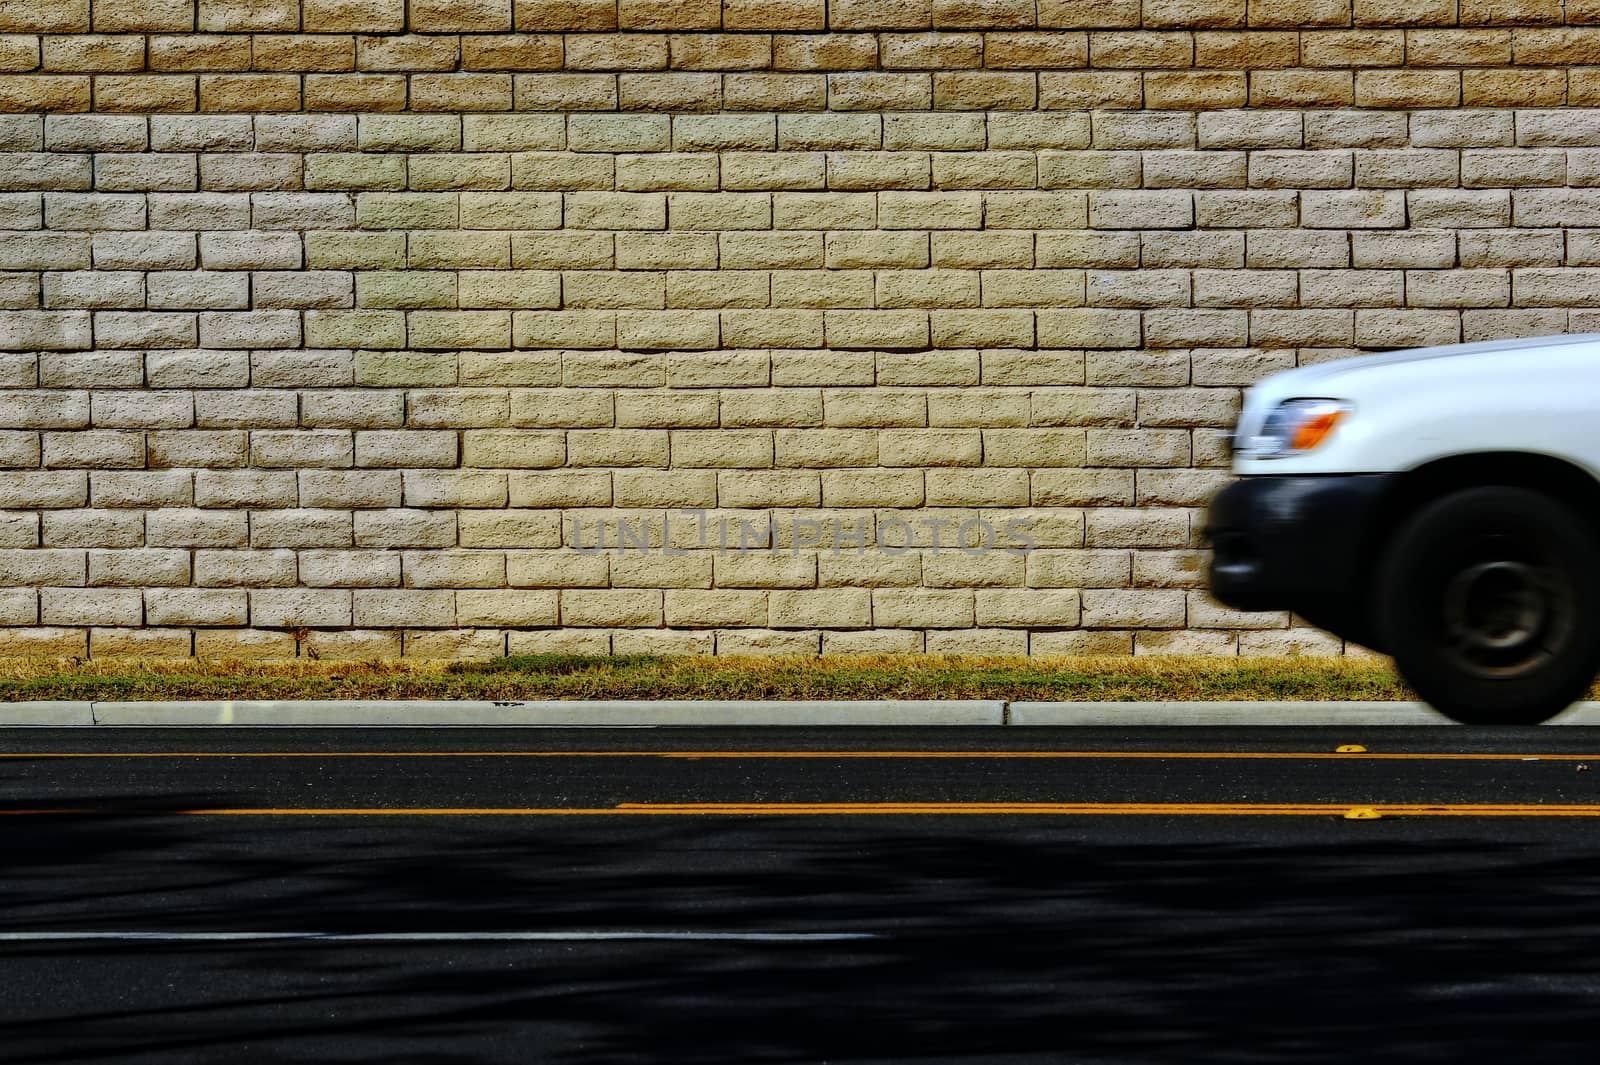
[(1301, 714), (708, 712), (56, 712), (1225, 713), (555, 712)]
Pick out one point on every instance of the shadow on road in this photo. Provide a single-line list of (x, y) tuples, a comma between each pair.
[(1000, 940)]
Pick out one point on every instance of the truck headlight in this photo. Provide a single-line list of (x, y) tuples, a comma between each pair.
[(1294, 427)]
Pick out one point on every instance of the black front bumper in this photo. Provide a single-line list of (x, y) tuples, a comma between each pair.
[(1299, 543)]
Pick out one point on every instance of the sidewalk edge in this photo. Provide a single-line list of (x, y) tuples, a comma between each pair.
[(615, 713), (722, 713)]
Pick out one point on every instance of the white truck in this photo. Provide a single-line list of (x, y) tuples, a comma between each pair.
[(1440, 505)]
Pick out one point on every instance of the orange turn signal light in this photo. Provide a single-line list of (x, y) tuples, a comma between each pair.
[(1315, 430)]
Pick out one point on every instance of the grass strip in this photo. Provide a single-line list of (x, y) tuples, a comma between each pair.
[(651, 677)]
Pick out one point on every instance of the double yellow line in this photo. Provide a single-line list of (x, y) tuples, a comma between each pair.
[(895, 809)]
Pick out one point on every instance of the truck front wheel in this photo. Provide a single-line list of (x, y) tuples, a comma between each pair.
[(1488, 602)]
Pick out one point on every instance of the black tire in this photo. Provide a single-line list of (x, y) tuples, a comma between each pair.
[(1487, 599)]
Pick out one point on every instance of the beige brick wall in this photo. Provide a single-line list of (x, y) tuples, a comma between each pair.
[(359, 328)]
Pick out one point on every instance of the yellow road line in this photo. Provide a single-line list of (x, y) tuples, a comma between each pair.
[(844, 755), (1127, 808), (1059, 809)]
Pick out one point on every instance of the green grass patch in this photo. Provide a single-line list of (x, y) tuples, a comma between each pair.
[(651, 677)]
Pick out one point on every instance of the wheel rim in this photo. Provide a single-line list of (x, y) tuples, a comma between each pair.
[(1505, 610)]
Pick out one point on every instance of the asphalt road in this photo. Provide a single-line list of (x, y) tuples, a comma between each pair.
[(776, 895)]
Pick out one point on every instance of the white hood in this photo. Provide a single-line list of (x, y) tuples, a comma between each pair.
[(1540, 395)]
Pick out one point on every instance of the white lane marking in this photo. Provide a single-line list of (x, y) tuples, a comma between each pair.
[(434, 937)]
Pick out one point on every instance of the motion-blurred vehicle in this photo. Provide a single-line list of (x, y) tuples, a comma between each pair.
[(1440, 505)]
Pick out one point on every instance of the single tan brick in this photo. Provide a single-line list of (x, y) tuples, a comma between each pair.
[(1516, 88), (766, 642), (506, 608), (123, 16), (864, 568), (1248, 50), (669, 14), (774, 92), (461, 92), (303, 52), (44, 16), (476, 644), (515, 133), (556, 569), (454, 569), (931, 51), (233, 16), (696, 608), (872, 642), (27, 92), (1190, 13), (512, 448), (565, 92), (355, 329), (1035, 51), (408, 53), (1077, 91), (1455, 48), (44, 642), (984, 91), (249, 92), (1210, 89), (351, 646), (412, 210), (1301, 88), (519, 52), (880, 14), (509, 528), (353, 16), (560, 641), (1354, 48), (838, 608), (559, 15), (977, 642), (617, 52), (85, 606), (1140, 49), (93, 54), (1403, 13), (592, 607), (873, 91), (1408, 88), (489, 171), (1035, 608), (197, 52), (923, 607), (927, 288), (355, 251), (1296, 13), (136, 93), (355, 92), (728, 368), (983, 14), (836, 51), (460, 16)]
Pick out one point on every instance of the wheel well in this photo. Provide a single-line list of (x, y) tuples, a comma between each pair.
[(1416, 488)]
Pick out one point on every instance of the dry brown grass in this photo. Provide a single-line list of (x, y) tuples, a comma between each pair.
[(649, 677)]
